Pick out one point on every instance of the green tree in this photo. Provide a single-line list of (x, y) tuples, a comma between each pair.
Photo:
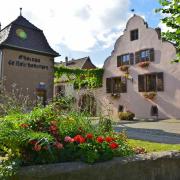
[(171, 11)]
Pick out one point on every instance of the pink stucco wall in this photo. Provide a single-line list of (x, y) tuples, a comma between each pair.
[(167, 101)]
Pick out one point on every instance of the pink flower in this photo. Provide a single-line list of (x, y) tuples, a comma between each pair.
[(67, 139), (58, 145)]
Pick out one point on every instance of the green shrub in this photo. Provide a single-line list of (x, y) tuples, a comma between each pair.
[(126, 115)]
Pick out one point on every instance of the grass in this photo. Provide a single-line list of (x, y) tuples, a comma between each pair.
[(153, 147)]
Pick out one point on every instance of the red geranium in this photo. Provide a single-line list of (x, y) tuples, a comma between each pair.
[(32, 142), (113, 145), (53, 128), (79, 139), (37, 147), (108, 139), (100, 139), (89, 136), (58, 145)]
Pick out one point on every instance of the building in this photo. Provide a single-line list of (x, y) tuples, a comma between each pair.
[(139, 76), (26, 59), (65, 88)]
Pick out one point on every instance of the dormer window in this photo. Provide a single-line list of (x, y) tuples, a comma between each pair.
[(134, 35)]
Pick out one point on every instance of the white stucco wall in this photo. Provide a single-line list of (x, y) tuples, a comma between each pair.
[(168, 101)]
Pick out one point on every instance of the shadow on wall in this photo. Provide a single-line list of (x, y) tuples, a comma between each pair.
[(165, 100)]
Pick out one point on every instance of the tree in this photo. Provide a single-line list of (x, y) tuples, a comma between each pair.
[(171, 11)]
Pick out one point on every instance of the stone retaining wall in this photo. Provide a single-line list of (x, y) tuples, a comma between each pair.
[(153, 166)]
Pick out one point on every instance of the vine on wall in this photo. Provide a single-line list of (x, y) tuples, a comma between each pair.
[(91, 78)]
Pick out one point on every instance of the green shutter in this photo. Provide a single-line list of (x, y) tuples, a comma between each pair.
[(160, 82), (141, 83), (151, 53)]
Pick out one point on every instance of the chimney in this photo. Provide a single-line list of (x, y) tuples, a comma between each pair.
[(158, 30), (66, 60)]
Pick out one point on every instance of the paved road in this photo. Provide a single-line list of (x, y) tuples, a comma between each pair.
[(165, 131)]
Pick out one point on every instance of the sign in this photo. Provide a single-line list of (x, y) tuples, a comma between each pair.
[(29, 62)]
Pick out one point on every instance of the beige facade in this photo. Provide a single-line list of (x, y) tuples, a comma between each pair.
[(167, 99), (26, 70)]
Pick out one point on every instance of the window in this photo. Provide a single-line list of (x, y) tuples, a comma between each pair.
[(144, 55), (116, 85), (125, 59), (134, 34), (151, 82)]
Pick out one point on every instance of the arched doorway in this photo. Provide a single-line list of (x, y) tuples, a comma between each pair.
[(87, 103)]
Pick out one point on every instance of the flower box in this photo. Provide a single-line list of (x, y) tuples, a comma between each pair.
[(144, 64), (124, 68), (150, 95)]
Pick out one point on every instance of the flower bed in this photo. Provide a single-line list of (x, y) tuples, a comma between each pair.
[(47, 135)]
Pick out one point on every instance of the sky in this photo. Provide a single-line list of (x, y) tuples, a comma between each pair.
[(79, 28)]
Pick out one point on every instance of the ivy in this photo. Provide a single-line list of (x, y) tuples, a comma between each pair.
[(91, 78)]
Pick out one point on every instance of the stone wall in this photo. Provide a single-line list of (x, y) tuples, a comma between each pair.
[(154, 166)]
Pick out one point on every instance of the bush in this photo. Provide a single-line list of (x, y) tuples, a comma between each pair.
[(126, 115), (47, 135)]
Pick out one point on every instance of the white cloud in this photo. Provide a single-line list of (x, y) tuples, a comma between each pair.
[(78, 24)]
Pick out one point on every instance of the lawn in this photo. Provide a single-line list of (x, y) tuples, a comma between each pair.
[(152, 147)]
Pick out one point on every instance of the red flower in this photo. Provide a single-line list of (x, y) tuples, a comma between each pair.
[(79, 139), (32, 142), (24, 125), (108, 139), (113, 145), (100, 139), (89, 136), (53, 128), (37, 147), (58, 145)]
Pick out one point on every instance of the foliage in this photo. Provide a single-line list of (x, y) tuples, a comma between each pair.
[(51, 135), (126, 115), (171, 10), (150, 95), (90, 78), (15, 101)]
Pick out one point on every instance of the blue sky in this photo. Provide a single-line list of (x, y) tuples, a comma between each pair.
[(78, 28)]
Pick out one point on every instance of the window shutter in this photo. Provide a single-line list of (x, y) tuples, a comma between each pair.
[(151, 54), (108, 85), (141, 85), (123, 85), (137, 56), (160, 82), (131, 58), (119, 61)]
